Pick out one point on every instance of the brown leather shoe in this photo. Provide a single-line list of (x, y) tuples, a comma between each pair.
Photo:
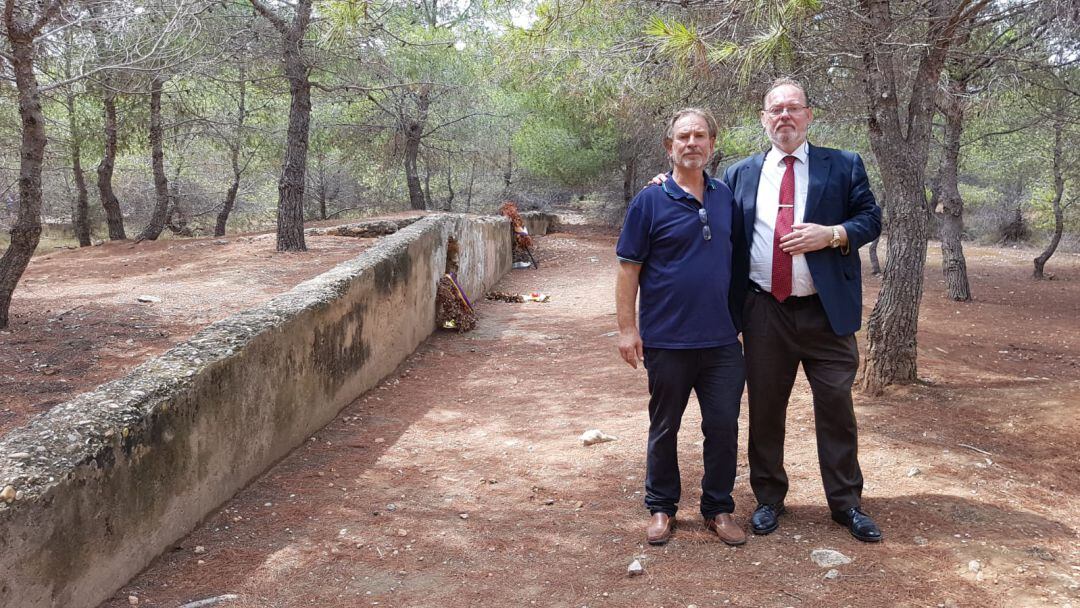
[(660, 527), (725, 527)]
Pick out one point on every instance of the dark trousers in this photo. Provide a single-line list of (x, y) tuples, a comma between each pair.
[(716, 375), (778, 337)]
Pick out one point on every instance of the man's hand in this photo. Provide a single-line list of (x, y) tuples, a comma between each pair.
[(630, 346), (805, 238), (659, 179)]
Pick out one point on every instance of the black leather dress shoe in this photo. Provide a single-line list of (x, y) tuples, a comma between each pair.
[(859, 524), (764, 520)]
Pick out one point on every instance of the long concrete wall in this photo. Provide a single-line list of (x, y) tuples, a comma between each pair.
[(107, 481)]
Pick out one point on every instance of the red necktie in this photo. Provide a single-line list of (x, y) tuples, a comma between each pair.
[(785, 217)]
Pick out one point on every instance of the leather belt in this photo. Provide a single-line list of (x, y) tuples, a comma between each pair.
[(754, 287)]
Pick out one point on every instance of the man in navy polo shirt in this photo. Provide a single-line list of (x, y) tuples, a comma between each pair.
[(675, 247)]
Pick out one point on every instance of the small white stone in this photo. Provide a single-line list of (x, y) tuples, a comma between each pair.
[(133, 600), (913, 471), (402, 532), (463, 515), (199, 549), (19, 455), (635, 569), (148, 299), (832, 574), (974, 566), (8, 494), (827, 558), (594, 436)]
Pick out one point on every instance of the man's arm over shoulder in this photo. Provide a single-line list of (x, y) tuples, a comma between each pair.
[(863, 223)]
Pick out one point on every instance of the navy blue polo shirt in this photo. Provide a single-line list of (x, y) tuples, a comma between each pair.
[(684, 278)]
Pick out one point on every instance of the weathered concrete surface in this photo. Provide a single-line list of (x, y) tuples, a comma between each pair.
[(367, 228), (538, 222), (112, 478)]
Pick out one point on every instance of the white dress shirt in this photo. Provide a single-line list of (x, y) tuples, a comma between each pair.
[(768, 204)]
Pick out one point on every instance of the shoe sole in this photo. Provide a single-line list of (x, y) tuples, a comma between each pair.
[(764, 531)]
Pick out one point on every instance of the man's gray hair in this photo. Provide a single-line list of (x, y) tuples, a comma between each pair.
[(669, 133), (785, 81)]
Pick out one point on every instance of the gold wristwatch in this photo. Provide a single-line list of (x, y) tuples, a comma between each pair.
[(835, 241)]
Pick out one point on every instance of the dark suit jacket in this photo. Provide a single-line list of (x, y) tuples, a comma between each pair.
[(838, 193)]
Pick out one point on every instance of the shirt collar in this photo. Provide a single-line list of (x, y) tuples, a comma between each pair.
[(776, 155), (673, 190)]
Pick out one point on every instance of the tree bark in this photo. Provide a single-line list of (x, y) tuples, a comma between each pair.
[(80, 220), (290, 224), (414, 130), (157, 162), (113, 216), (290, 229), (1059, 191), (427, 183), (875, 264), (902, 150), (468, 192), (953, 264), (234, 158), (629, 182), (509, 173), (26, 232), (449, 206), (412, 179)]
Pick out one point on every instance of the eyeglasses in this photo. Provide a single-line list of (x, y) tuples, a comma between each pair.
[(703, 216), (791, 110)]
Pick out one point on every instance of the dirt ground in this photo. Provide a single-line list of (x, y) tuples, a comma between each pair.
[(460, 481), (76, 320)]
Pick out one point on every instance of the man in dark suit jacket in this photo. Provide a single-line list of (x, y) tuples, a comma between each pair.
[(805, 212)]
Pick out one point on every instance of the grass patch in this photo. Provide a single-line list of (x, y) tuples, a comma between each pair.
[(52, 238)]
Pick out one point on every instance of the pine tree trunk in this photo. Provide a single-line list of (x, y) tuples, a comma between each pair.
[(953, 265), (227, 205), (412, 177), (629, 182), (427, 183), (26, 232), (157, 162), (290, 225), (413, 131), (1059, 190), (509, 173), (234, 158), (449, 206), (468, 193), (113, 217), (875, 264), (80, 220), (900, 138), (893, 326)]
